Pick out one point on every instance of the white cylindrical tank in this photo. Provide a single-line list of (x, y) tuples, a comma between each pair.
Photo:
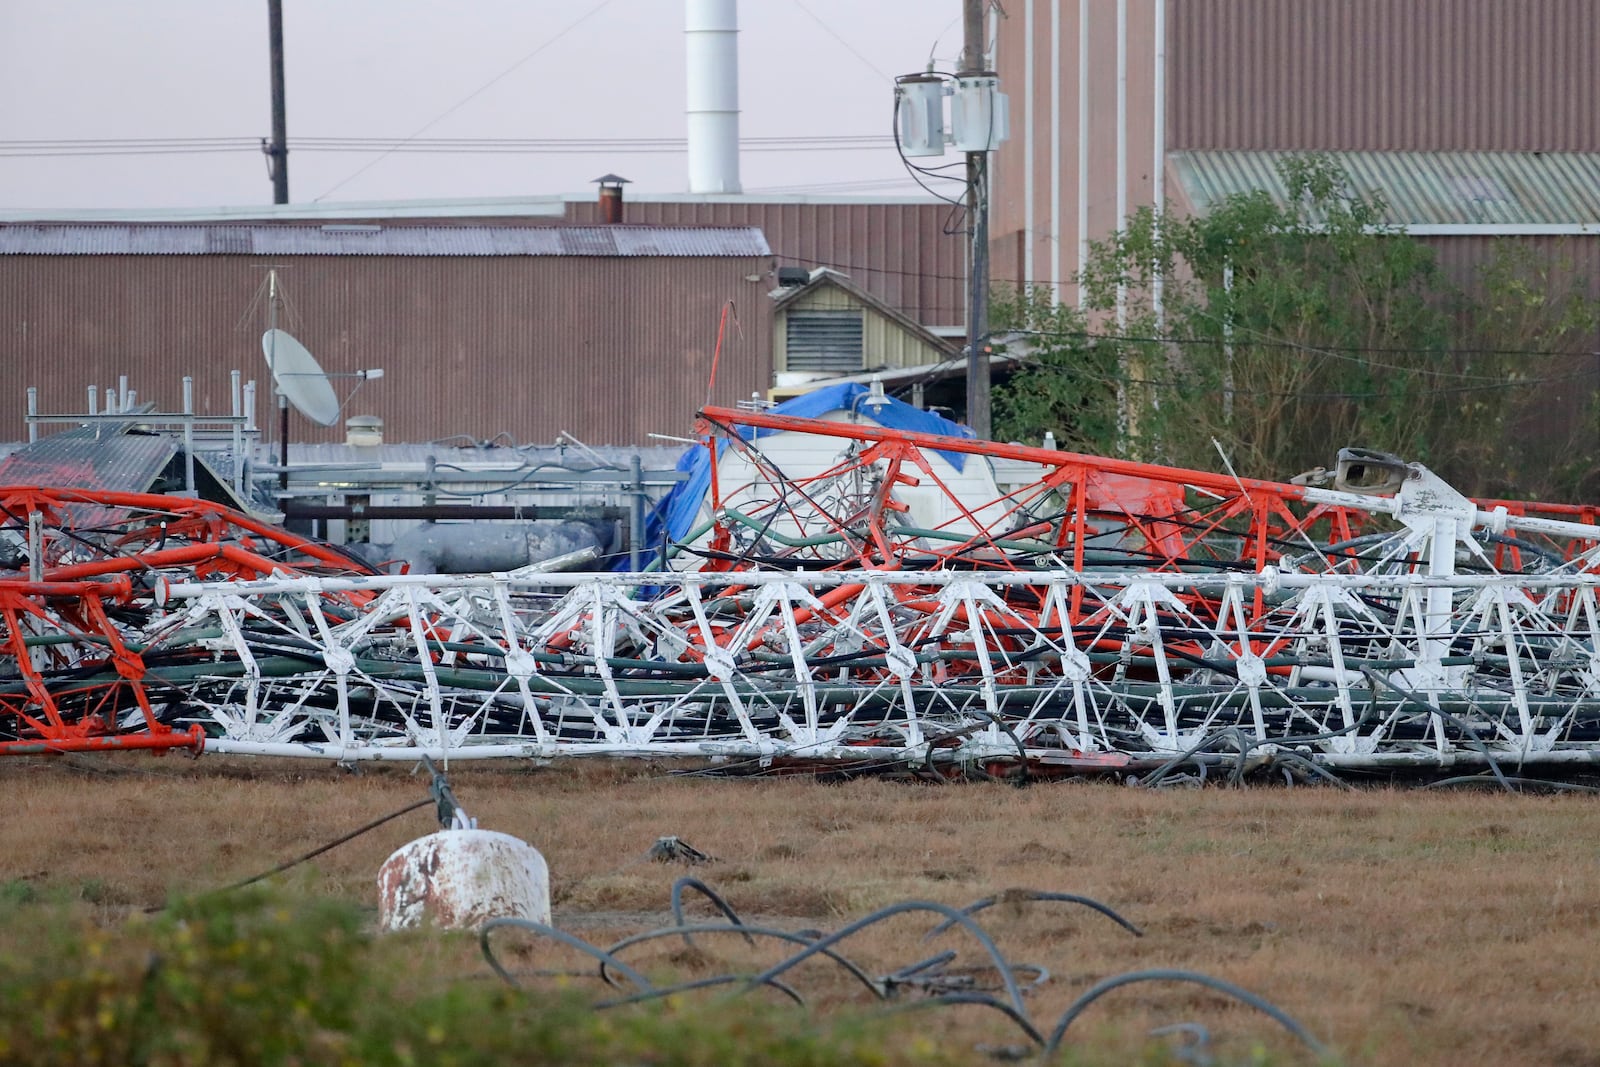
[(459, 879), (711, 30)]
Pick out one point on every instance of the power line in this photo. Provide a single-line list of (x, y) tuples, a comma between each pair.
[(862, 185), (1265, 341), (837, 37), (439, 145), (1190, 386), (318, 139), (480, 90)]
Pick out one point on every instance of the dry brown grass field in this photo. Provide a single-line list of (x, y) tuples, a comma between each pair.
[(1401, 926)]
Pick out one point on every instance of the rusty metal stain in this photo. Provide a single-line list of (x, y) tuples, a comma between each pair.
[(460, 878)]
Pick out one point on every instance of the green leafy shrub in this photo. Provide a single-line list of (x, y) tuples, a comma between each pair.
[(254, 978)]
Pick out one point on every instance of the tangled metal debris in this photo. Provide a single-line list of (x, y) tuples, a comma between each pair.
[(1102, 615)]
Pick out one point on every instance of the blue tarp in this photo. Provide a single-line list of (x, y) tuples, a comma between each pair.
[(674, 516)]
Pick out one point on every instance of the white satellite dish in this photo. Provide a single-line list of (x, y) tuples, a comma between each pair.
[(299, 377)]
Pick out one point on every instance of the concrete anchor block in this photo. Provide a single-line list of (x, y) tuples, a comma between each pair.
[(458, 879)]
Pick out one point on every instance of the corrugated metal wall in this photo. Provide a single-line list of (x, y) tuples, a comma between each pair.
[(1297, 75), (609, 349), (897, 252), (1418, 75), (1044, 204), (884, 342)]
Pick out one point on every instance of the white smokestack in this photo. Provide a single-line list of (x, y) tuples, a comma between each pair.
[(711, 28)]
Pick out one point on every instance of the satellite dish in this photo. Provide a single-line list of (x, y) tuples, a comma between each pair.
[(299, 377)]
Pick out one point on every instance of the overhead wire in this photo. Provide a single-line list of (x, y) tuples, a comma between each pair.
[(386, 146), (837, 36), (593, 10), (1190, 386), (1333, 351)]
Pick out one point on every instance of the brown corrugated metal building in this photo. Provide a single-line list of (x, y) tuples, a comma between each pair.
[(1107, 88), (1475, 120), (455, 303), (897, 250), (605, 332)]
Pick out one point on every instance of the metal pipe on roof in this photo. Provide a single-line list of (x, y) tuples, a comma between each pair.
[(236, 394), (711, 29), (188, 434)]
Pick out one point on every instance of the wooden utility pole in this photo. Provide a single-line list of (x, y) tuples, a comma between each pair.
[(278, 151), (972, 64)]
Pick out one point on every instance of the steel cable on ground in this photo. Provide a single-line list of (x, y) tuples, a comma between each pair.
[(698, 983), (1488, 757), (748, 932), (554, 934), (1246, 744), (1520, 783), (314, 853), (978, 933), (1100, 989), (710, 894), (1040, 895), (928, 971), (940, 1000)]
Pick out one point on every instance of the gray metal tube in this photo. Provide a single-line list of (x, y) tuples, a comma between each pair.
[(636, 518), (188, 434), (477, 548), (238, 430)]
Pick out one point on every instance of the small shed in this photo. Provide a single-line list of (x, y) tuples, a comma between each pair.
[(826, 326)]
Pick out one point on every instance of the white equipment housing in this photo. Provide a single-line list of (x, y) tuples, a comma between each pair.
[(980, 117), (920, 115)]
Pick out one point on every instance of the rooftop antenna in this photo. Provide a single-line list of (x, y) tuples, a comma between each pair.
[(297, 379)]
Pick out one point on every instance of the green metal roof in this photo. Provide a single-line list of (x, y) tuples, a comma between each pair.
[(1424, 188)]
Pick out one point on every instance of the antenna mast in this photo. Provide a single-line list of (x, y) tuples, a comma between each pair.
[(277, 389)]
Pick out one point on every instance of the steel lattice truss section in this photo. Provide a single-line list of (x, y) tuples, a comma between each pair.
[(1242, 622), (87, 659)]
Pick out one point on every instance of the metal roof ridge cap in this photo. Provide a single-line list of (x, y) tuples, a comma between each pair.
[(841, 199), (546, 206)]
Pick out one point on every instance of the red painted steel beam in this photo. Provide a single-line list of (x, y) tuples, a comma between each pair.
[(193, 739), (1221, 483)]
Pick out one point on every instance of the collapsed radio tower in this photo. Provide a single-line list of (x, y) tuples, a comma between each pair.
[(1105, 615)]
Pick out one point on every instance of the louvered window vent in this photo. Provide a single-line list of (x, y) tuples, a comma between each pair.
[(824, 341)]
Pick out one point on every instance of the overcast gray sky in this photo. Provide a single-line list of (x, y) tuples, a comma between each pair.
[(108, 69)]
